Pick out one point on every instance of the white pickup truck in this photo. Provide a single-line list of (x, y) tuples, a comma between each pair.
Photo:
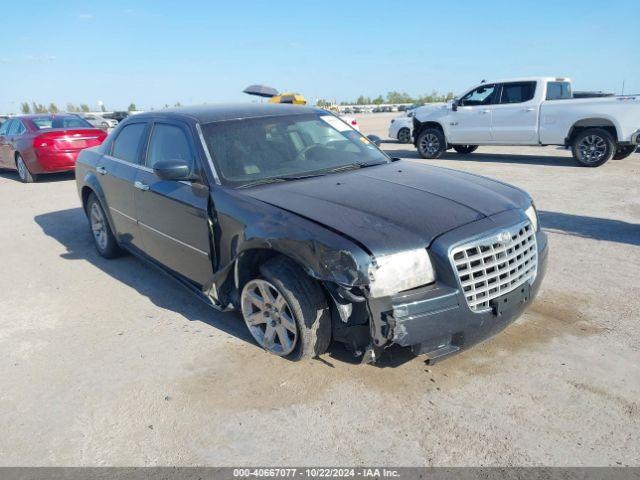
[(531, 111)]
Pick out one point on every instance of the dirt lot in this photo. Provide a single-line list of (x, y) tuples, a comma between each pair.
[(111, 363)]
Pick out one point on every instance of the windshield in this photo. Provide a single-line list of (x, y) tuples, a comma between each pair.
[(50, 121), (251, 150)]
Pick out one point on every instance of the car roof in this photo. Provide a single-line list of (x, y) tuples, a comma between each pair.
[(232, 111)]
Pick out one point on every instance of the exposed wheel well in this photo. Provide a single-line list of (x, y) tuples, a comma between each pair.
[(585, 123), (86, 191), (425, 125)]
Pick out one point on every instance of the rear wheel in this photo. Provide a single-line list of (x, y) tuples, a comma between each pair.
[(103, 237), (404, 135), (286, 311), (431, 143), (593, 147), (464, 149), (624, 151), (23, 171)]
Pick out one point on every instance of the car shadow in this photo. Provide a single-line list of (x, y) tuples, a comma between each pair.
[(591, 227), (545, 160), (48, 178), (70, 229)]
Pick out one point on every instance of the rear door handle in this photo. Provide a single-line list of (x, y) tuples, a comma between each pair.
[(141, 186), (101, 170), (530, 109), (484, 112)]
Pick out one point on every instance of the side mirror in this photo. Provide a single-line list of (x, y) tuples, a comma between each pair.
[(376, 140), (454, 104), (172, 170)]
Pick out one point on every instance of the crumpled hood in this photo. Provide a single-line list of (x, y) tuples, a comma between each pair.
[(393, 207)]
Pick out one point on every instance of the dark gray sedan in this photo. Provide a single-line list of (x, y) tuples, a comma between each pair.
[(289, 215)]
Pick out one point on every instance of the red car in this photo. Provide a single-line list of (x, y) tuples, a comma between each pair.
[(43, 143)]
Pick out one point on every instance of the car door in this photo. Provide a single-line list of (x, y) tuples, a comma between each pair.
[(470, 124), (515, 116), (117, 171), (173, 215), (5, 145)]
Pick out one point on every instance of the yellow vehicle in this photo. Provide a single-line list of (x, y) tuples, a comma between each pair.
[(294, 98)]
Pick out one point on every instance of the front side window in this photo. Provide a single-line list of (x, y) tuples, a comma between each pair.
[(168, 142), (250, 150), (482, 95), (127, 144), (558, 91), (517, 92), (4, 128)]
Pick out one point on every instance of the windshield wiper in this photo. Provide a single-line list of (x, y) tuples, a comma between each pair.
[(353, 166), (285, 178)]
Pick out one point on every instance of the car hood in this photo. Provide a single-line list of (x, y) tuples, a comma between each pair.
[(392, 207)]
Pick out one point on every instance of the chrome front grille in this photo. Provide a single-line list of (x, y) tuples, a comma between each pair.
[(494, 265)]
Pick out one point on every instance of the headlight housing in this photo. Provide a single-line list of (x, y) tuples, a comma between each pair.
[(533, 217), (400, 271)]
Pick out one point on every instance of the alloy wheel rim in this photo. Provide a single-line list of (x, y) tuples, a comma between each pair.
[(430, 144), (22, 169), (403, 136), (98, 227), (592, 148), (269, 317)]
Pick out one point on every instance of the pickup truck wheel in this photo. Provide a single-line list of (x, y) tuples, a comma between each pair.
[(103, 237), (464, 149), (286, 311), (404, 135), (593, 147), (431, 143), (624, 151), (23, 171)]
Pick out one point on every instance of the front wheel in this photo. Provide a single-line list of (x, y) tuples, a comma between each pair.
[(464, 149), (431, 143), (286, 311), (624, 151), (593, 147), (404, 135), (23, 171)]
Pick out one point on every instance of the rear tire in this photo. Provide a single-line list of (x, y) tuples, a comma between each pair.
[(593, 147), (624, 151), (431, 143), (103, 237), (404, 135), (302, 298), (464, 149), (23, 171)]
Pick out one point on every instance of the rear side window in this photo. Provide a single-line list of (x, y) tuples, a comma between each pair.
[(558, 90), (168, 142), (517, 92), (127, 144), (16, 128)]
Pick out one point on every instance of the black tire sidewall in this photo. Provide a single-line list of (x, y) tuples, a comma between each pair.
[(442, 141), (28, 178), (408, 138), (112, 249), (465, 149), (623, 152), (606, 136), (308, 305)]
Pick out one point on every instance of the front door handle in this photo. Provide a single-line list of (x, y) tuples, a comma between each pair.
[(530, 109), (101, 170), (141, 186), (484, 112)]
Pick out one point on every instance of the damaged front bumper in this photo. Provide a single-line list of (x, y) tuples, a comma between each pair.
[(435, 320)]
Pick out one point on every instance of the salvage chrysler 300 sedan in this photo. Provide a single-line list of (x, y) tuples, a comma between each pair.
[(292, 217)]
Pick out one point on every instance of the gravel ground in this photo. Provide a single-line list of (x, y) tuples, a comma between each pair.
[(112, 363)]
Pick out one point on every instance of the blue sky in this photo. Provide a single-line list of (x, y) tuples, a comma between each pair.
[(157, 52)]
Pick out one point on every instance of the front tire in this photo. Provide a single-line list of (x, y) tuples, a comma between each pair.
[(593, 147), (103, 237), (23, 171), (404, 135), (465, 149), (624, 151), (286, 311), (431, 143)]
